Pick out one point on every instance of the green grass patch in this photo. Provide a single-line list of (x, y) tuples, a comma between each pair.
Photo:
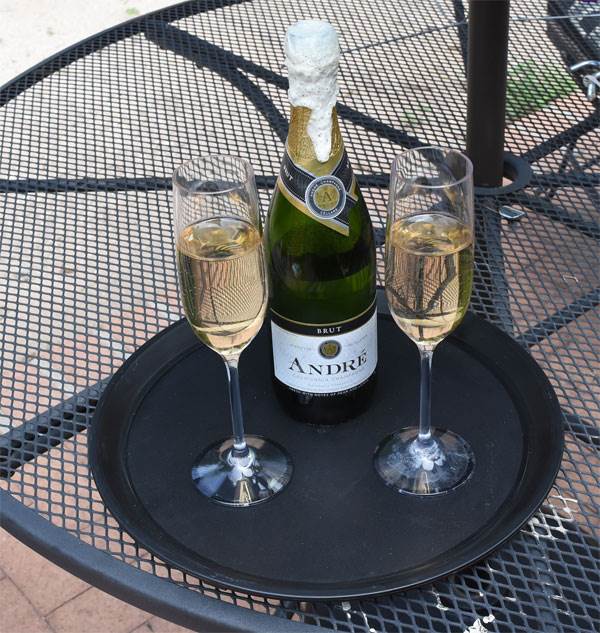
[(531, 86), (417, 114)]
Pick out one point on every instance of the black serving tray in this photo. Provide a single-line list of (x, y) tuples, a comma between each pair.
[(336, 531)]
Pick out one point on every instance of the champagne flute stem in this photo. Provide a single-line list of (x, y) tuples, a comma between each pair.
[(240, 448), (425, 399)]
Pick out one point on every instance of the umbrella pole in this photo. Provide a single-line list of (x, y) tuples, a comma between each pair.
[(486, 89)]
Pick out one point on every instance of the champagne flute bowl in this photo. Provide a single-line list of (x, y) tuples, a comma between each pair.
[(428, 279), (224, 290)]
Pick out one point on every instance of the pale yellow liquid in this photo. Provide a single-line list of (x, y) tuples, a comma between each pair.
[(223, 282), (429, 274)]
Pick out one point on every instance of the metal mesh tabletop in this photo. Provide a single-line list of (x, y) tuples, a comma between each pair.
[(87, 274)]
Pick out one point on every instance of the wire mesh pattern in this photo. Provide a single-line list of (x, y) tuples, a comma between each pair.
[(89, 141)]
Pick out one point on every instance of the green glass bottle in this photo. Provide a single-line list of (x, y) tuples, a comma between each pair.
[(321, 250)]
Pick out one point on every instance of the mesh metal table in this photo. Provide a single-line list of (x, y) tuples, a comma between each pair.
[(90, 138)]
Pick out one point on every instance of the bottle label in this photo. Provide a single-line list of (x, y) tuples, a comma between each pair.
[(327, 198), (326, 359)]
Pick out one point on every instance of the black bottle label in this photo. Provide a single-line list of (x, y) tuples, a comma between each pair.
[(326, 198)]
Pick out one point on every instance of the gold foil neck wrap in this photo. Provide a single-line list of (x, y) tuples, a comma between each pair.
[(300, 146)]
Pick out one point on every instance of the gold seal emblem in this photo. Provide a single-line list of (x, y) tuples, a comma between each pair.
[(326, 197), (329, 349)]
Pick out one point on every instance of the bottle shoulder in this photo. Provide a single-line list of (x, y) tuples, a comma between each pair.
[(316, 273), (284, 219)]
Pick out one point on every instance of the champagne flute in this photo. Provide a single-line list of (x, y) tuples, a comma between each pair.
[(224, 291), (428, 278)]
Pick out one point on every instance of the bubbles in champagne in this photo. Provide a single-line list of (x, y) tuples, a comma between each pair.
[(429, 274), (223, 281)]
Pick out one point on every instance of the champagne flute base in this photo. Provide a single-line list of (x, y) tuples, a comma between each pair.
[(246, 481), (424, 467)]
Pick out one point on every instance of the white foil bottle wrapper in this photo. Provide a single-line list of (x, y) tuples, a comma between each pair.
[(312, 53)]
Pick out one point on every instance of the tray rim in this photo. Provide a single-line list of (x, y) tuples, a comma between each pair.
[(251, 586)]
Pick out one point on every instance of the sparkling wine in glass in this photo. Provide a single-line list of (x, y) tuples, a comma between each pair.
[(224, 291), (428, 279)]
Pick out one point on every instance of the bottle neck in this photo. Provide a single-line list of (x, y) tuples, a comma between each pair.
[(300, 146)]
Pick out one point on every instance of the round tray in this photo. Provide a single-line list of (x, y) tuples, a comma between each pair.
[(336, 531)]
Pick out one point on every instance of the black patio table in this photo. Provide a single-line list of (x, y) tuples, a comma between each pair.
[(90, 138)]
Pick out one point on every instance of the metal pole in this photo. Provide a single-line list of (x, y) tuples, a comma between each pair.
[(486, 88)]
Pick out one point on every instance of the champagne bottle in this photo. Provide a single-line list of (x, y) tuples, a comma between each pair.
[(320, 248)]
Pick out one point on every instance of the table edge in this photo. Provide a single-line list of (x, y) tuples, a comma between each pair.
[(154, 594)]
